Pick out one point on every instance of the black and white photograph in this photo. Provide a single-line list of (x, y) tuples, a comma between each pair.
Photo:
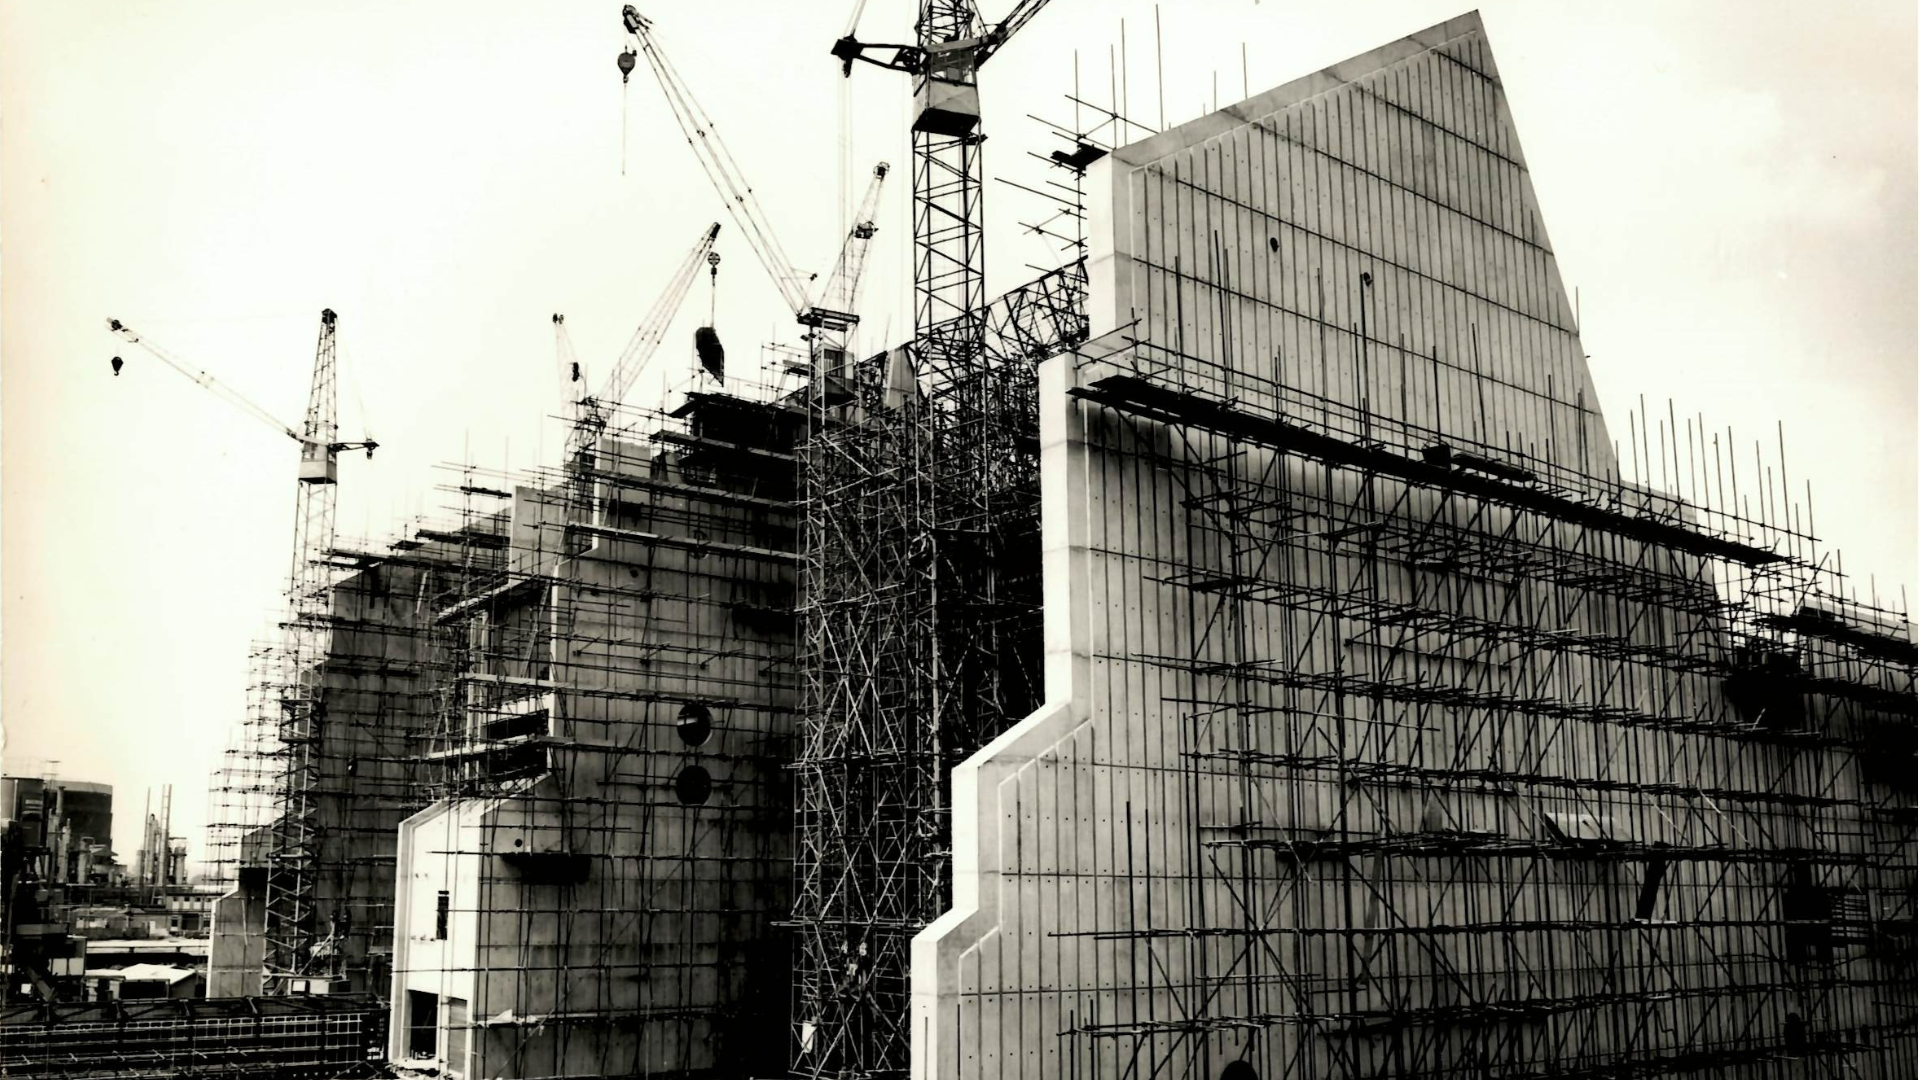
[(959, 540)]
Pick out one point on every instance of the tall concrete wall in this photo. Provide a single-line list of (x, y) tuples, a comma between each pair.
[(613, 876), (379, 712), (1387, 192), (237, 938), (1356, 764)]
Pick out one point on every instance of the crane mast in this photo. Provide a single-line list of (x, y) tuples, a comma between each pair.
[(949, 257), (948, 460), (296, 960)]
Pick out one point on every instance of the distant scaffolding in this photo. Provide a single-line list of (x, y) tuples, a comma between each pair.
[(306, 1038), (367, 681), (241, 791)]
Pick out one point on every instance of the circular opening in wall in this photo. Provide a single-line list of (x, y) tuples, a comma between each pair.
[(1238, 1070), (696, 724), (692, 785)]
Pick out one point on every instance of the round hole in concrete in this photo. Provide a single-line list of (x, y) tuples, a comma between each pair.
[(692, 785), (695, 725), (1238, 1070)]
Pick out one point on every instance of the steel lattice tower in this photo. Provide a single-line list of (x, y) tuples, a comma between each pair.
[(919, 586), (292, 932)]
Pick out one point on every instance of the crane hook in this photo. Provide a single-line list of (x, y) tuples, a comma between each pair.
[(626, 64), (118, 364), (713, 284)]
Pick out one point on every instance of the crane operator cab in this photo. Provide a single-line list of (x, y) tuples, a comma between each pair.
[(319, 463), (947, 95)]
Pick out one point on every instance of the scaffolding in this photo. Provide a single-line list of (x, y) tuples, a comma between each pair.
[(323, 1038), (1490, 762), (363, 674), (593, 887), (920, 629)]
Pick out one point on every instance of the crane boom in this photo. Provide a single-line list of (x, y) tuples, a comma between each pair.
[(831, 319), (592, 412), (653, 329), (1006, 28), (233, 397), (942, 22), (205, 380), (839, 298), (720, 166)]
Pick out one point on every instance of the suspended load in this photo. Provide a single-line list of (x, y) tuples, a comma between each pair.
[(706, 345)]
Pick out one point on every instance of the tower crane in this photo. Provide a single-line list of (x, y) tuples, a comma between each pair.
[(297, 959), (853, 1017), (329, 455), (949, 265), (835, 311)]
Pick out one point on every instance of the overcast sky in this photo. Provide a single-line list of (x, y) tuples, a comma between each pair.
[(1730, 186)]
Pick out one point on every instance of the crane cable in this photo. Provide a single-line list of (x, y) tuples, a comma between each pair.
[(349, 373), (648, 335), (724, 172), (853, 20)]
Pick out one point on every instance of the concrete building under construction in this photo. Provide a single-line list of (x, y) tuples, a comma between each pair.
[(1242, 652), (1392, 729), (595, 890)]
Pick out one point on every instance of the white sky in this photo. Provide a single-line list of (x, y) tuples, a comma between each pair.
[(1731, 187)]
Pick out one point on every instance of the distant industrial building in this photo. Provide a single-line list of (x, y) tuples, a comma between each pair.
[(72, 819)]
